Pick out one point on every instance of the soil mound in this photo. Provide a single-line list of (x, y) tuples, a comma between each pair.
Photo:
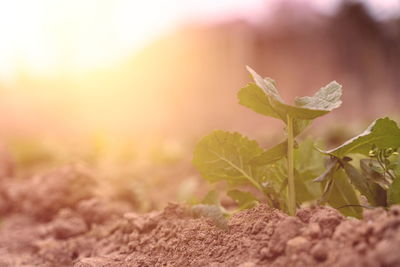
[(49, 222)]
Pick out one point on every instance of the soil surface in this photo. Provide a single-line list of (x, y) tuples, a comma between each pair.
[(57, 219)]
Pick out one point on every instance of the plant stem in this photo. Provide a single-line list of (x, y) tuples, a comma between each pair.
[(291, 190), (381, 160)]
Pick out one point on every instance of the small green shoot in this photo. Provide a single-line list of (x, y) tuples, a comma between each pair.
[(231, 157), (290, 167)]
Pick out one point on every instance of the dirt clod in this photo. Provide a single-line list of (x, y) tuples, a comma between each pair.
[(319, 252), (297, 245)]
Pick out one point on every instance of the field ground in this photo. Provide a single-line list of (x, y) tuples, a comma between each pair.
[(58, 218)]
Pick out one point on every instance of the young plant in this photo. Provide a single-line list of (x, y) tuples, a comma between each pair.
[(378, 175), (231, 157)]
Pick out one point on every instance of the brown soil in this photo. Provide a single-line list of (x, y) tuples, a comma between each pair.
[(57, 220)]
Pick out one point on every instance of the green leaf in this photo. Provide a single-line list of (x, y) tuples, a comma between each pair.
[(267, 85), (361, 183), (305, 190), (271, 155), (213, 212), (277, 152), (309, 159), (245, 200), (299, 126), (309, 163), (394, 164), (343, 196), (227, 156), (384, 133), (331, 167), (374, 172), (274, 174), (254, 98), (327, 190), (305, 108), (393, 195), (263, 98), (327, 98)]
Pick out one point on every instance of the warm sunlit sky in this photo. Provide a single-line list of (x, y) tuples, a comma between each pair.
[(44, 37)]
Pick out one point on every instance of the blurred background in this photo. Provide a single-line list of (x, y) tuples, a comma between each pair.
[(130, 86)]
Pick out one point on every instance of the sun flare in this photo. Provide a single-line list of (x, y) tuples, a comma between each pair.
[(46, 37)]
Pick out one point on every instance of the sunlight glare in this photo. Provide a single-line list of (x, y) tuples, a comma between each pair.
[(47, 37)]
